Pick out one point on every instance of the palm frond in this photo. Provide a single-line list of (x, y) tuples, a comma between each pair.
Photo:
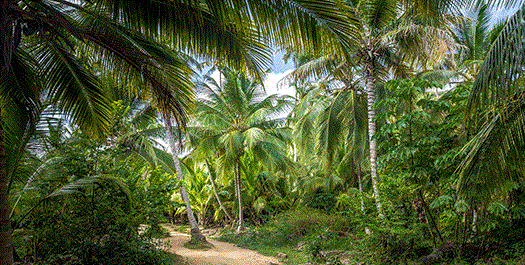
[(80, 185), (503, 65), (378, 14), (494, 154), (72, 87)]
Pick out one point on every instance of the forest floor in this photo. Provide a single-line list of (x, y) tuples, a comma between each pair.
[(221, 253)]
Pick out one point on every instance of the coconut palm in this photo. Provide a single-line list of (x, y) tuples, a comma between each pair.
[(392, 38), (474, 37), (236, 118), (196, 234), (211, 174), (42, 43), (136, 127), (495, 154)]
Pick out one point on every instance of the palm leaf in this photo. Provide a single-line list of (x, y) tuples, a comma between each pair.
[(72, 87), (503, 65), (495, 154)]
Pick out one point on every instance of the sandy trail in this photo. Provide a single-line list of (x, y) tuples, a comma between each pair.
[(221, 254)]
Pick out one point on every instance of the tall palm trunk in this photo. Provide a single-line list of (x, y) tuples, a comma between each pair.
[(196, 234), (237, 179), (360, 183), (230, 219), (7, 44), (371, 96)]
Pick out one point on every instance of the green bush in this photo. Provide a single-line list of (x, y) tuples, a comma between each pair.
[(83, 234), (290, 227), (320, 199)]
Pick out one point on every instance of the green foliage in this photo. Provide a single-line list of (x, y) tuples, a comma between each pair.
[(290, 227), (87, 206), (152, 190), (397, 241), (417, 131), (314, 251), (320, 199)]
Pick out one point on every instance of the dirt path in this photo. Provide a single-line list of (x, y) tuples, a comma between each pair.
[(221, 254)]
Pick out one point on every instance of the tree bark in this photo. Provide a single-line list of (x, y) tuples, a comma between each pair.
[(237, 177), (360, 183), (475, 218), (196, 234), (7, 45), (230, 219), (370, 90)]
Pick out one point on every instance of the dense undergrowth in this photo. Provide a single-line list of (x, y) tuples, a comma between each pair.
[(108, 215), (309, 235)]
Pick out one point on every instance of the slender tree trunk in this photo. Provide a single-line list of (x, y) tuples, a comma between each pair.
[(360, 183), (7, 44), (429, 215), (237, 177), (475, 218), (371, 95), (230, 219), (196, 234)]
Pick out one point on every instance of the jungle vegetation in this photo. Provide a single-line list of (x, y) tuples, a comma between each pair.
[(403, 142)]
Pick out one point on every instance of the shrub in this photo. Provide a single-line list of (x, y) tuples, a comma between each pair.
[(290, 227), (86, 230), (320, 199)]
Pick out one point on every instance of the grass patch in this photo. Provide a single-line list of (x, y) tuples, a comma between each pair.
[(282, 235), (155, 231), (294, 256), (182, 228)]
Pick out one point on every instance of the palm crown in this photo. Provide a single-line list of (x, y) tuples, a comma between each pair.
[(234, 119)]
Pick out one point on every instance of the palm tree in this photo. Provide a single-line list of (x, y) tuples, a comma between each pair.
[(211, 173), (385, 43), (494, 156), (196, 235), (235, 119), (474, 38), (137, 129), (391, 37), (41, 44)]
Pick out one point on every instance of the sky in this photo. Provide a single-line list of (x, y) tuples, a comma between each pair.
[(279, 70)]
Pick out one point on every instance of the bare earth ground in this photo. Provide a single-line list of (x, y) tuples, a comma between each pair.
[(221, 254)]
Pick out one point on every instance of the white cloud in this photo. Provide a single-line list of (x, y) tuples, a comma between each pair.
[(270, 84), (216, 76)]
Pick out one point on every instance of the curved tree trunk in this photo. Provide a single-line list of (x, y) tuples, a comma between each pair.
[(237, 179), (196, 234), (371, 96), (230, 219)]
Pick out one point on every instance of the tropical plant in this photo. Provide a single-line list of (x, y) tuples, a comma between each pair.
[(494, 155), (75, 181), (235, 119), (474, 37), (42, 43), (136, 127), (390, 37), (211, 175)]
